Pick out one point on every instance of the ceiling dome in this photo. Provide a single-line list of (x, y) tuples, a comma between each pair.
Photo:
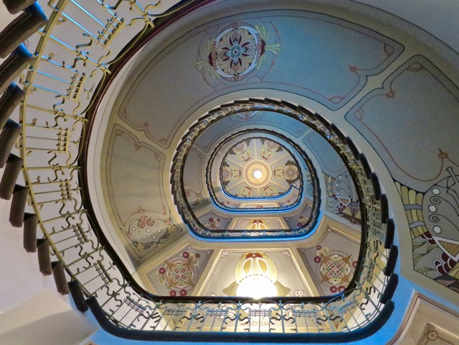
[(284, 197), (211, 132)]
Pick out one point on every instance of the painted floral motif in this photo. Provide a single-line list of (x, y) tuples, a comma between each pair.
[(193, 197), (335, 268), (179, 274), (245, 192), (433, 218), (288, 172), (242, 150), (213, 223), (240, 147), (229, 173), (147, 232), (226, 173), (270, 145), (342, 198), (258, 224), (144, 221), (267, 170), (236, 51), (270, 191), (269, 149)]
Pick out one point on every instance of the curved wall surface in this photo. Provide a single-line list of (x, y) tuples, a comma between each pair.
[(392, 94), (386, 84)]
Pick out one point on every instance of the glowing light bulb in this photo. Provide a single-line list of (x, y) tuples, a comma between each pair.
[(256, 287), (257, 174)]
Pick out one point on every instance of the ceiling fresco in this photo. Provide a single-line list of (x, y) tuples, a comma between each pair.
[(277, 169), (178, 275), (426, 169), (295, 54), (133, 172), (332, 261), (233, 169), (210, 61)]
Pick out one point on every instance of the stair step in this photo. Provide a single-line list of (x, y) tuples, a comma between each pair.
[(18, 205), (21, 28), (30, 232), (10, 69), (10, 176), (9, 101), (59, 277), (44, 257)]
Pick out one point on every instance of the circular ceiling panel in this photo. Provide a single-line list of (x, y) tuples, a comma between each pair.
[(257, 182), (258, 168)]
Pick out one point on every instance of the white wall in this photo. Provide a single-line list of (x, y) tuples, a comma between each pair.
[(43, 320), (20, 276)]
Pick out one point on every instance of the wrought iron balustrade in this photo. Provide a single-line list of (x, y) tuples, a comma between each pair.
[(76, 54), (179, 193), (301, 186)]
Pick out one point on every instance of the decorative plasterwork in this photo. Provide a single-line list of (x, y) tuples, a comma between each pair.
[(427, 323), (134, 193), (178, 274), (237, 51), (422, 158), (253, 51), (235, 158), (332, 261), (278, 169)]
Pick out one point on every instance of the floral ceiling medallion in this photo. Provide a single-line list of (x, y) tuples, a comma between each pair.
[(258, 167), (237, 51), (251, 170), (179, 274), (336, 268)]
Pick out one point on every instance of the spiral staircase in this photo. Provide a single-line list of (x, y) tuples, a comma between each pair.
[(49, 115)]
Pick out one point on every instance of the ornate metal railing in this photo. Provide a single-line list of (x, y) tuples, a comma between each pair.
[(186, 210), (64, 79), (301, 187)]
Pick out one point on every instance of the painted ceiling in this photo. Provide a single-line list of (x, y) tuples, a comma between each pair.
[(382, 89), (258, 168)]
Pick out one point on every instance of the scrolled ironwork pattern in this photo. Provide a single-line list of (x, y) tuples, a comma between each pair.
[(212, 192), (186, 210), (65, 76)]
